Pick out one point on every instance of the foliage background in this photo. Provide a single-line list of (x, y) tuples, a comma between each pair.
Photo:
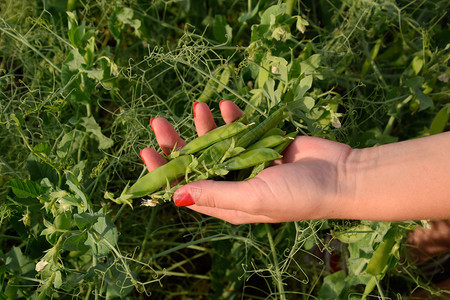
[(81, 79)]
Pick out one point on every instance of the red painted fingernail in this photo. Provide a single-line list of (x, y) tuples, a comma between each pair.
[(151, 125), (183, 200), (220, 103), (142, 156), (193, 107)]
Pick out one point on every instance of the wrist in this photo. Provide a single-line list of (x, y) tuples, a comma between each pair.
[(345, 203)]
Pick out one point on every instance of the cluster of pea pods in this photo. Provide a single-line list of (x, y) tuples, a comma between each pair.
[(244, 149)]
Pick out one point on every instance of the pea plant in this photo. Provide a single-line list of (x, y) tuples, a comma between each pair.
[(80, 80)]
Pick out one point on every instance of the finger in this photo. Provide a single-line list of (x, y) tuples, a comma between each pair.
[(230, 111), (235, 217), (203, 118), (223, 195), (152, 159), (166, 135)]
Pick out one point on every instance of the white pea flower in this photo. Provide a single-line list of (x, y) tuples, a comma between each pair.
[(150, 202), (275, 69), (41, 265), (443, 77), (335, 120)]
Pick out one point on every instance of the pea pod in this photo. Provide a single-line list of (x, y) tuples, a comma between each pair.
[(381, 255), (274, 131), (268, 142), (214, 153), (289, 138), (210, 138), (260, 129), (250, 158), (250, 173), (158, 178)]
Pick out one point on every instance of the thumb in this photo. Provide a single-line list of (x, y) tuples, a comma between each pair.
[(233, 195)]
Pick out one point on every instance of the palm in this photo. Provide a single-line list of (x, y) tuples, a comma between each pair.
[(298, 186)]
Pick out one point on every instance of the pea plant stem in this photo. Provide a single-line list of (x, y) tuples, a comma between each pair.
[(380, 290), (94, 264), (147, 231), (275, 263), (119, 212), (390, 124)]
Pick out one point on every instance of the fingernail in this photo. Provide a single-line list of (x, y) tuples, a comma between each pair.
[(183, 200), (151, 125), (142, 156), (220, 103), (193, 107)]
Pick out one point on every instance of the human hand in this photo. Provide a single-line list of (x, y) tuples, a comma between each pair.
[(305, 184)]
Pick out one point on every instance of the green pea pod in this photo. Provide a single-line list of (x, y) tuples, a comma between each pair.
[(158, 178), (267, 142), (250, 173), (289, 138), (214, 153), (210, 138), (274, 131), (256, 132), (250, 158), (381, 255)]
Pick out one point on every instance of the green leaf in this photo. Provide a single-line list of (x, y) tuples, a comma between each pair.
[(247, 16), (96, 74), (310, 65), (69, 143), (16, 262), (42, 148), (274, 10), (75, 61), (73, 184), (92, 126), (39, 171), (333, 285), (76, 32), (425, 100), (279, 67), (353, 234), (417, 64), (415, 85), (85, 219), (49, 228), (440, 120), (123, 16), (303, 86), (103, 237), (269, 89), (57, 280), (221, 30), (75, 242), (305, 104), (25, 188)]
